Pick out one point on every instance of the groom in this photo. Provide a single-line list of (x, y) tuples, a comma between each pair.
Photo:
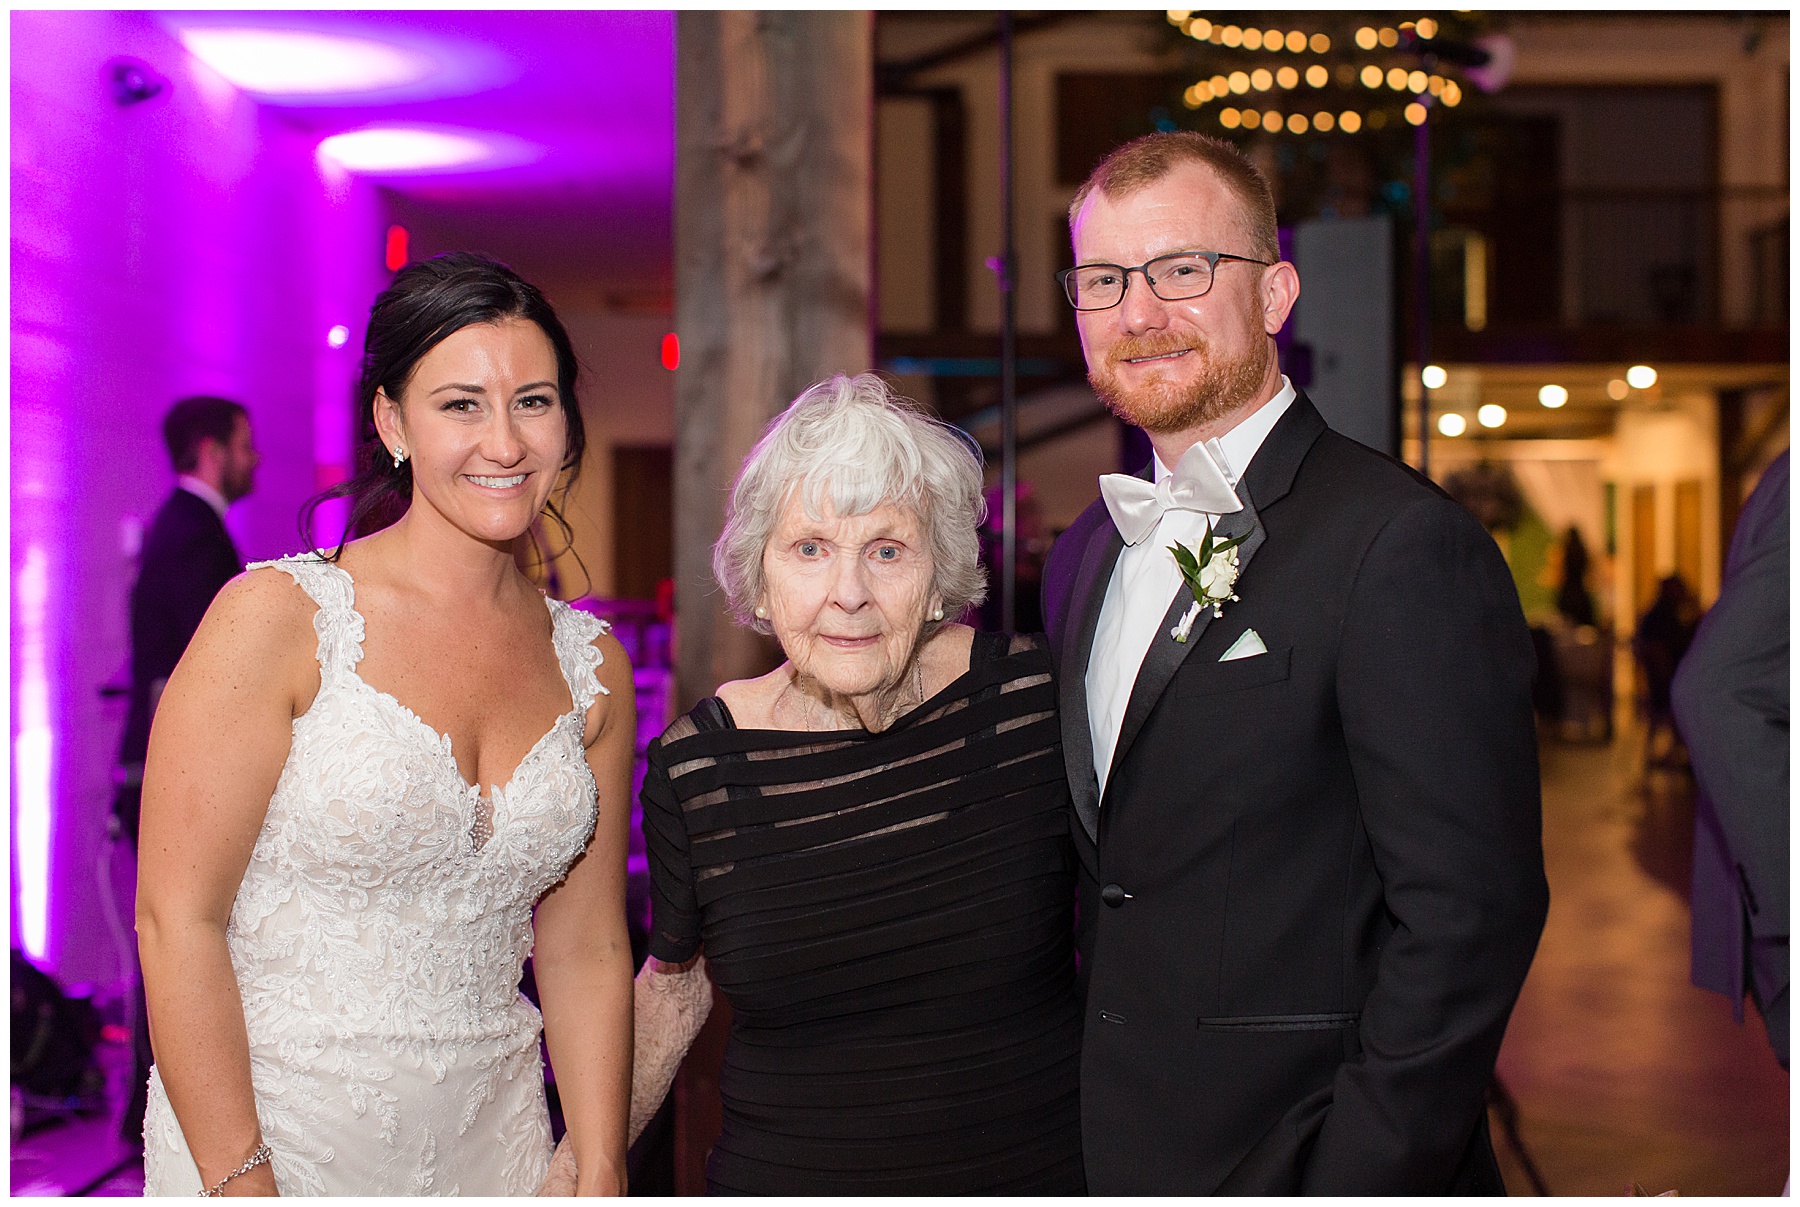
[(1307, 812)]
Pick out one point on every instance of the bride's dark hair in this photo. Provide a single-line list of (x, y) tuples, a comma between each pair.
[(427, 303)]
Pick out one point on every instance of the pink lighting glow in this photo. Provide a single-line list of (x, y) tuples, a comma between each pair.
[(387, 150), (32, 757), (295, 62)]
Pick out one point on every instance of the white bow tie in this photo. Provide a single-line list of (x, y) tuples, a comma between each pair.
[(1198, 483)]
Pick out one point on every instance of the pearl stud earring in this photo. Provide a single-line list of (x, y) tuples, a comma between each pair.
[(762, 613), (937, 613)]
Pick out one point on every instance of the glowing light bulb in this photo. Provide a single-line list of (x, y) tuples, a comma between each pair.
[(1262, 79), (1230, 118), (1349, 121), (1452, 424), (1253, 39), (1317, 76), (1491, 415), (1417, 81), (1396, 79), (1427, 28), (1640, 377), (1323, 121), (1452, 93), (337, 337), (1415, 113), (1371, 76), (1319, 43), (1366, 38), (1553, 396), (1287, 77), (1616, 389), (1238, 82), (1434, 377), (1297, 123)]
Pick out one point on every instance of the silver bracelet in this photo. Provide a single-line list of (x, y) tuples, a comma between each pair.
[(261, 1156)]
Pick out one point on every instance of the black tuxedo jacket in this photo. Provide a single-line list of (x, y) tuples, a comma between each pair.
[(187, 556), (1315, 883)]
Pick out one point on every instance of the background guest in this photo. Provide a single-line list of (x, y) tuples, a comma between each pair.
[(1731, 699), (186, 557)]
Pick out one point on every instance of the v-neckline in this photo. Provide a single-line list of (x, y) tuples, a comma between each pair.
[(442, 742)]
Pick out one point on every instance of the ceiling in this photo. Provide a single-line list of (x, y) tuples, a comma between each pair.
[(590, 95)]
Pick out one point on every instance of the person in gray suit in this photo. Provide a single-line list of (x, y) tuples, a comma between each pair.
[(1731, 703)]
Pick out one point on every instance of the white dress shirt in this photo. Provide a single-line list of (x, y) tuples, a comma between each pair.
[(202, 488), (1143, 585)]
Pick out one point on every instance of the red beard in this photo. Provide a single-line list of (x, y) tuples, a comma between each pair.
[(1163, 405)]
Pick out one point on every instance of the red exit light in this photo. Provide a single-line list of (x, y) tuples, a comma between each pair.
[(671, 352), (397, 239)]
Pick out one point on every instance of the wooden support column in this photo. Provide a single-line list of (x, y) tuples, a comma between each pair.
[(773, 253)]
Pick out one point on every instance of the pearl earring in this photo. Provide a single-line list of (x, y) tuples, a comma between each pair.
[(399, 456), (762, 613), (937, 613)]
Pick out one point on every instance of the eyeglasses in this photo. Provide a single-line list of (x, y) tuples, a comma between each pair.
[(1174, 278)]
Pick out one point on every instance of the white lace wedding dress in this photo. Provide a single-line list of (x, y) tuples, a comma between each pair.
[(379, 934)]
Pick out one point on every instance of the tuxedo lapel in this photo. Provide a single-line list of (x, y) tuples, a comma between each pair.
[(1103, 548), (1165, 654)]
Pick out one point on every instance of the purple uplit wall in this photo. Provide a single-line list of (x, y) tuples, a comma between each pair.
[(187, 244)]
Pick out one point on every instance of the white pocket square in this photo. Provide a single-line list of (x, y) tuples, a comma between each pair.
[(1247, 646)]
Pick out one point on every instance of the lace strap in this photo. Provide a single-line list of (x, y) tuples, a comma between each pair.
[(574, 631), (337, 622)]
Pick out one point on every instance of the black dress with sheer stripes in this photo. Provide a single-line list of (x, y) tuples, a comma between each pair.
[(890, 916)]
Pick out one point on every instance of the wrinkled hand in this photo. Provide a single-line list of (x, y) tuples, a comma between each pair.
[(559, 1179)]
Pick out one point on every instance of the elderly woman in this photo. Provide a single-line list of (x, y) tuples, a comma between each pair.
[(869, 843)]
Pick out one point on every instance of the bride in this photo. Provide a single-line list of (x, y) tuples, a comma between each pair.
[(368, 770)]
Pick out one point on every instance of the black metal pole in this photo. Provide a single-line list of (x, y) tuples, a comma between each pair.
[(1422, 273), (1009, 352)]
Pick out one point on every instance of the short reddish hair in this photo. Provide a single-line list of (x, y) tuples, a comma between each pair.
[(1144, 161)]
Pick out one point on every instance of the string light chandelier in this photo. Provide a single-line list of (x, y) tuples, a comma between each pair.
[(1276, 100)]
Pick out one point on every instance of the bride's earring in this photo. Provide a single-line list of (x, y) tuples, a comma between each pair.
[(399, 456)]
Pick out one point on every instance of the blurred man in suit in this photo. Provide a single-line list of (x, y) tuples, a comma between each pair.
[(1304, 771), (187, 555), (1731, 702)]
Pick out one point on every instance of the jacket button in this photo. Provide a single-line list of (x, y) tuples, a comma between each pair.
[(1114, 896)]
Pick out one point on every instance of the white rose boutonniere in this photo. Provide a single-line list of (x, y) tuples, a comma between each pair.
[(1211, 574)]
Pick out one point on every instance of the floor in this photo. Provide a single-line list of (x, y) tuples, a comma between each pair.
[(1619, 1069)]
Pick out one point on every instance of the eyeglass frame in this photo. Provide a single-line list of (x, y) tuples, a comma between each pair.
[(1212, 259)]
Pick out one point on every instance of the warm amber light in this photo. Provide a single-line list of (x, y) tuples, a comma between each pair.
[(1296, 41), (1417, 81), (1415, 113), (1640, 377), (1261, 79), (1319, 43), (1238, 82), (1323, 120), (1220, 85), (1297, 124), (1228, 118), (1437, 85), (1253, 39), (1491, 415), (1389, 38), (1553, 396), (1192, 98), (1396, 79), (1272, 122), (1232, 37), (1427, 27), (1317, 76), (1371, 76), (1178, 15), (1251, 118), (1366, 38), (1451, 424), (1452, 93), (1349, 121), (1616, 389), (1287, 77), (1200, 29)]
